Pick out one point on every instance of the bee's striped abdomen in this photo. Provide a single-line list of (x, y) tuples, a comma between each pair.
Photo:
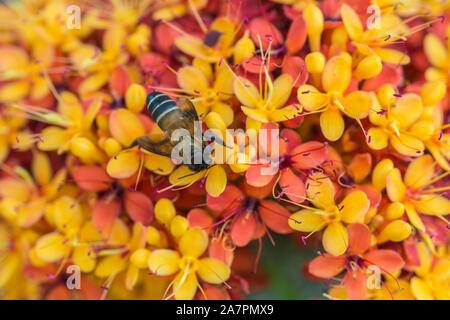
[(159, 105)]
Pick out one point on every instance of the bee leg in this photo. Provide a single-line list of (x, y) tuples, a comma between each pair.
[(217, 139)]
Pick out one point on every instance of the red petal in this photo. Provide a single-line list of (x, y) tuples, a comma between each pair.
[(309, 154), (228, 200), (267, 33), (105, 212), (92, 178), (388, 75), (220, 250), (291, 137), (119, 81), (139, 207), (255, 178), (387, 260), (242, 230), (296, 36), (199, 218), (292, 186), (356, 288), (275, 216), (358, 238), (296, 68), (327, 266)]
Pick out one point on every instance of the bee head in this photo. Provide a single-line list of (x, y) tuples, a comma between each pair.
[(206, 161)]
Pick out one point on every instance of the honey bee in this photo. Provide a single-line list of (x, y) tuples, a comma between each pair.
[(170, 116)]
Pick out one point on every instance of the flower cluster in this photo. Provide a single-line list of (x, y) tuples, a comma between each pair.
[(357, 101)]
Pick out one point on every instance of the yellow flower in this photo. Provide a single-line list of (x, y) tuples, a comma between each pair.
[(222, 30), (176, 9), (211, 90), (268, 102), (70, 128), (396, 121), (189, 266), (412, 195), (131, 255), (12, 123), (26, 197), (370, 41), (24, 76), (329, 215), (125, 127), (336, 78), (432, 280)]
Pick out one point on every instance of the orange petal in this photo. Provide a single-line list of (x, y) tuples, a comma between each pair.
[(327, 266), (309, 155), (355, 285), (387, 260), (139, 207), (275, 216), (229, 199), (255, 178), (199, 218), (267, 32), (119, 81), (243, 229), (92, 178), (104, 212), (358, 238), (292, 186), (296, 35)]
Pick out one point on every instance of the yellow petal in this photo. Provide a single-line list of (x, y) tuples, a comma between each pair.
[(408, 109), (69, 107), (193, 242), (213, 271), (84, 257), (53, 138), (125, 126), (436, 52), (225, 112), (306, 221), (109, 265), (336, 75), (256, 114), (413, 217), (282, 87), (123, 165), (320, 190), (164, 211), (14, 91), (352, 22), (407, 145), (93, 82), (424, 165), (354, 206), (185, 290), (357, 104), (190, 78), (183, 176), (216, 181), (395, 210), (69, 216), (433, 204), (335, 239), (159, 164), (164, 262), (286, 113), (421, 289), (432, 92), (224, 83), (41, 168), (397, 231), (392, 56), (378, 138), (395, 188), (332, 124), (246, 92), (131, 277), (311, 98), (52, 247)]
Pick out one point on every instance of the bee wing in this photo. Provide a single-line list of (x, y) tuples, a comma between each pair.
[(155, 143), (188, 109)]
